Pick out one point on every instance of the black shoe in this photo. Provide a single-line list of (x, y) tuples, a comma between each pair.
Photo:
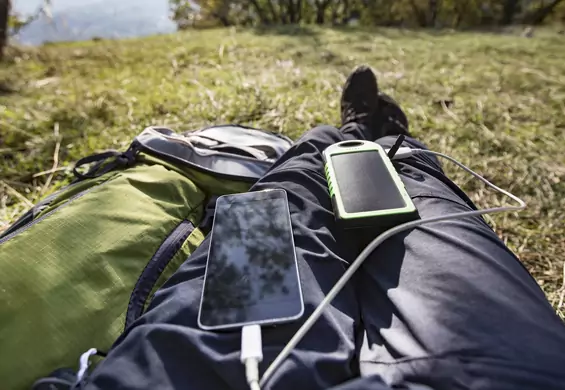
[(359, 98), (389, 119)]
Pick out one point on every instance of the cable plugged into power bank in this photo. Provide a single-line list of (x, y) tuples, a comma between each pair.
[(400, 153), (403, 152), (392, 151), (251, 354)]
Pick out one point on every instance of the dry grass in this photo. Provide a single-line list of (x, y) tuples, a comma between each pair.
[(495, 102)]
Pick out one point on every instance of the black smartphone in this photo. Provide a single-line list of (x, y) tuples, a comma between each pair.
[(252, 273)]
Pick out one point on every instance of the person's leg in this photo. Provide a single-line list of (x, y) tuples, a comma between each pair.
[(448, 305), (165, 347)]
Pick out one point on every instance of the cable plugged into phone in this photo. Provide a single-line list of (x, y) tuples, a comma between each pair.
[(251, 354)]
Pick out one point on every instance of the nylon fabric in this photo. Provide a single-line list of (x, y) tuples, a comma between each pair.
[(68, 266), (444, 306), (66, 280)]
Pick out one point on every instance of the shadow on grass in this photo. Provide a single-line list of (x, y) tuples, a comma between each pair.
[(6, 89), (393, 32), (290, 30), (361, 32), (312, 51), (416, 32)]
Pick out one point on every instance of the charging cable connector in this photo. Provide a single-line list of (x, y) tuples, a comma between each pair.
[(251, 354), (403, 152)]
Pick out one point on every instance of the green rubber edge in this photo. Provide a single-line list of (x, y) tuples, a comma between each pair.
[(334, 189)]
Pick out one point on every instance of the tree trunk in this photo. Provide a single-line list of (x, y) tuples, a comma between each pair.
[(291, 12), (260, 13), (222, 14), (223, 20), (346, 12), (343, 17), (539, 15), (335, 14), (320, 15), (509, 10), (461, 9), (321, 7), (434, 6), (274, 15), (283, 13), (4, 16), (420, 16)]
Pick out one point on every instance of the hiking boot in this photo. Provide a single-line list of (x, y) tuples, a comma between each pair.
[(389, 119), (359, 98)]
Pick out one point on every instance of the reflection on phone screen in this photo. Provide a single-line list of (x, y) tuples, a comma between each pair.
[(375, 189), (251, 275)]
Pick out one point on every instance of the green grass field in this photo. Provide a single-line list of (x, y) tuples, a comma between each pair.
[(495, 102)]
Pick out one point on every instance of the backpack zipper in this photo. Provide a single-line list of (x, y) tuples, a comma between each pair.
[(154, 268), (129, 156), (179, 161), (29, 215), (34, 221)]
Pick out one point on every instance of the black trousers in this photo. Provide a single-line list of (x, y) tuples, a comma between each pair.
[(444, 306)]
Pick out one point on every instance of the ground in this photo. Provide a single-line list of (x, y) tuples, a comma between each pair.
[(494, 101)]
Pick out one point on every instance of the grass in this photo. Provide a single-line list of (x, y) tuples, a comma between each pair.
[(496, 102)]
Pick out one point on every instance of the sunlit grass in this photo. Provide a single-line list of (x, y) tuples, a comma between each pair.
[(496, 102)]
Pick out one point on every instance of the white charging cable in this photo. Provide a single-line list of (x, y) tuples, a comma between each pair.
[(400, 154), (251, 354)]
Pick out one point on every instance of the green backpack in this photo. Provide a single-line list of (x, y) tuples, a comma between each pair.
[(82, 265)]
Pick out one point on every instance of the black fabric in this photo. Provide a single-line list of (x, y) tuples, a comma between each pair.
[(154, 268), (445, 306), (61, 379)]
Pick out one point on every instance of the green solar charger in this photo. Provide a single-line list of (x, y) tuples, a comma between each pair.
[(365, 189)]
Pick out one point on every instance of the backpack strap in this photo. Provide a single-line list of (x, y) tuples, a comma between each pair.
[(104, 162)]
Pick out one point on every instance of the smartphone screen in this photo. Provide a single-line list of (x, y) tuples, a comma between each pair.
[(251, 274), (367, 173)]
